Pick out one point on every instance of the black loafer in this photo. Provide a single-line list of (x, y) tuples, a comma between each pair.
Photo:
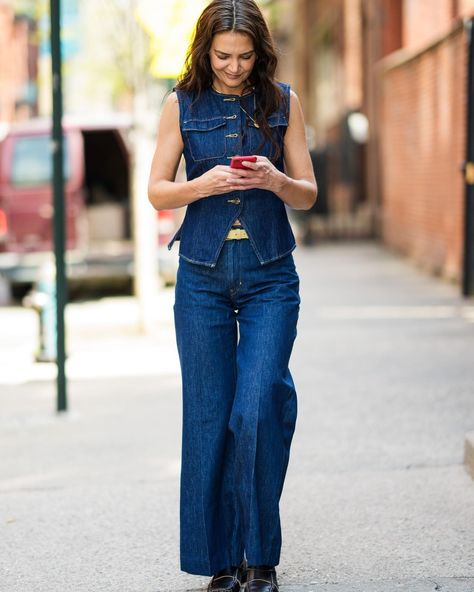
[(228, 580), (261, 578)]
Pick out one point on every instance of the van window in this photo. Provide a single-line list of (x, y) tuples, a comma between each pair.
[(32, 161)]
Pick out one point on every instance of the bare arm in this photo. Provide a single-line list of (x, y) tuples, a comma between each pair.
[(297, 188), (164, 192)]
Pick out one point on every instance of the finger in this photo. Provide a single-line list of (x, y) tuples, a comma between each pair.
[(250, 172), (240, 188), (241, 174), (236, 172), (240, 180), (250, 165), (251, 182), (259, 169)]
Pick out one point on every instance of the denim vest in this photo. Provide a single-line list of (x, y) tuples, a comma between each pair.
[(214, 128)]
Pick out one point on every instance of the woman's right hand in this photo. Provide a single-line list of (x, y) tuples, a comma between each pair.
[(214, 181)]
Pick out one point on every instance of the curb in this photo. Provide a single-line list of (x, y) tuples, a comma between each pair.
[(469, 453)]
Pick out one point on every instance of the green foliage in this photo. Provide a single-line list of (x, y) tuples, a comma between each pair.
[(35, 9), (129, 46)]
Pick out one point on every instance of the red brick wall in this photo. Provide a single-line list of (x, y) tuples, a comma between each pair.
[(422, 148), (13, 61), (392, 24), (423, 20)]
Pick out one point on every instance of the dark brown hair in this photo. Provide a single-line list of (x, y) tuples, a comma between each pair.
[(240, 16)]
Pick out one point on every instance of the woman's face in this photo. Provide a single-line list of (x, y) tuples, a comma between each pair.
[(232, 57)]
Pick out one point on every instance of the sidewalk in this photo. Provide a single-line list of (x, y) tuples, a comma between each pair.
[(377, 498)]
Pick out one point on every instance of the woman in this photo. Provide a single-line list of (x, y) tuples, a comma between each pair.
[(237, 297)]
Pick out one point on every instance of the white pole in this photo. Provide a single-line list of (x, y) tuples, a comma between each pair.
[(145, 222)]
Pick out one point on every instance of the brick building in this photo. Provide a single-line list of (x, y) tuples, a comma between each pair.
[(404, 64), (422, 109), (18, 65)]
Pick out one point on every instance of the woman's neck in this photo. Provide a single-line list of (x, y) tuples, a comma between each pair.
[(241, 92)]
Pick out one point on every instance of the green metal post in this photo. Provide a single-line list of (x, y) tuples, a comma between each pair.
[(468, 263), (59, 205)]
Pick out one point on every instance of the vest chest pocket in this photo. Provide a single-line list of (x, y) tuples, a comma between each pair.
[(277, 123), (205, 138), (277, 120)]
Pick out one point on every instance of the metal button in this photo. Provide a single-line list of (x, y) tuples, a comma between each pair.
[(235, 201)]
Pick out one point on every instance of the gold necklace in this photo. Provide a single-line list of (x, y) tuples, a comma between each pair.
[(249, 116), (244, 110)]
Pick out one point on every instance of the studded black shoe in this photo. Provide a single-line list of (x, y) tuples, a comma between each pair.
[(229, 579), (261, 578)]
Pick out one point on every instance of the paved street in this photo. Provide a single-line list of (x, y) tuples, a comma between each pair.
[(376, 499)]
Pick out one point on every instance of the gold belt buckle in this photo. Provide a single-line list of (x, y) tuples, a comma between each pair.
[(237, 234)]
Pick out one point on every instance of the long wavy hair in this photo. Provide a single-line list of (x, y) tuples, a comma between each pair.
[(240, 16)]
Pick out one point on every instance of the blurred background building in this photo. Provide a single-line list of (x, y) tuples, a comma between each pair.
[(383, 83), (18, 63), (403, 64)]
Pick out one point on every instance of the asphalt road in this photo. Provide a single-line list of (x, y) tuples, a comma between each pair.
[(376, 499)]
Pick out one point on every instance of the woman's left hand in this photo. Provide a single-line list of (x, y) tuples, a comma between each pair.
[(260, 175)]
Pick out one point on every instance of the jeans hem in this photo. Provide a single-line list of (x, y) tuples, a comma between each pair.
[(272, 560), (206, 568)]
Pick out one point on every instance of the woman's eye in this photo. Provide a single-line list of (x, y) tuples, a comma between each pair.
[(223, 58)]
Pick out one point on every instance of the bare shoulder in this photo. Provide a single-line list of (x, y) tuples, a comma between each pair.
[(172, 97), (296, 111), (294, 99), (169, 118), (171, 103), (169, 127)]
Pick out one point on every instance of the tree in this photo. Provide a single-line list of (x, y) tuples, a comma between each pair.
[(128, 70)]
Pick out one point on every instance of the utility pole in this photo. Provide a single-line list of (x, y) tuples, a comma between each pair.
[(468, 263), (59, 205), (145, 223)]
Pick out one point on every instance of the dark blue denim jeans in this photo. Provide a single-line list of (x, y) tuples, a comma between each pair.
[(235, 328)]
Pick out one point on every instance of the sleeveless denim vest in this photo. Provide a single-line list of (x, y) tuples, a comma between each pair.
[(215, 128)]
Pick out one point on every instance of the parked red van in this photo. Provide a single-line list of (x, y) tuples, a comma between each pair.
[(98, 206)]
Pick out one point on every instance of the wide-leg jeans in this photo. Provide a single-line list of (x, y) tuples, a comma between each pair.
[(235, 328)]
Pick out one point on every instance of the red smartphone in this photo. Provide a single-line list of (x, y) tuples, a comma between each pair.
[(236, 161)]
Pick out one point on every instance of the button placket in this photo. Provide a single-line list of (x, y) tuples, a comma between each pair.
[(233, 132), (234, 143)]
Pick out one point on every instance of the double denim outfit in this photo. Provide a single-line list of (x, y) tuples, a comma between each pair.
[(236, 310)]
